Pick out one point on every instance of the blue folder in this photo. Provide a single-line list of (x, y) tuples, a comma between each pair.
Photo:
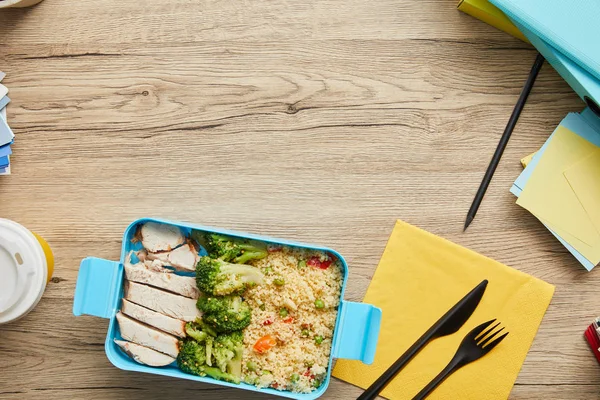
[(6, 134), (4, 101), (5, 151), (565, 32)]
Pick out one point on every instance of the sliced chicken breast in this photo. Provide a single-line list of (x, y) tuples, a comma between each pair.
[(170, 304), (144, 355), (183, 285), (161, 237), (155, 319), (183, 258), (153, 265), (146, 336), (156, 265)]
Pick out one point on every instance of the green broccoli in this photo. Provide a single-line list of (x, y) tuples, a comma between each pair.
[(230, 249), (226, 313), (199, 330), (227, 351), (220, 278), (192, 355), (209, 346), (223, 355), (192, 359), (195, 333)]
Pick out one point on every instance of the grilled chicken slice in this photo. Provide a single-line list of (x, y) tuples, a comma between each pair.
[(170, 304), (161, 237), (156, 265), (153, 265), (144, 355), (146, 336), (183, 285), (157, 320), (183, 258)]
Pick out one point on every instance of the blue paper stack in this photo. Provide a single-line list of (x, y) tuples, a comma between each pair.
[(6, 135)]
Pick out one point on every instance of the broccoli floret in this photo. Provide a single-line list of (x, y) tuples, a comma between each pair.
[(230, 249), (192, 356), (227, 350), (216, 373), (199, 330), (222, 355), (209, 355), (220, 278), (192, 360), (193, 331), (226, 313)]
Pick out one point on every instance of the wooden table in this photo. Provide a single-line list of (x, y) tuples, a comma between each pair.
[(319, 121)]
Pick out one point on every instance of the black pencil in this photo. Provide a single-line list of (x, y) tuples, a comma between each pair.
[(514, 117)]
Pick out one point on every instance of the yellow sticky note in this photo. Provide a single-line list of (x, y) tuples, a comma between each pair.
[(549, 196), (584, 178), (581, 247), (527, 159), (419, 278)]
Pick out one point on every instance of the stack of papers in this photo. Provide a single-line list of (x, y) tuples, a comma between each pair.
[(561, 186), (592, 335), (6, 135)]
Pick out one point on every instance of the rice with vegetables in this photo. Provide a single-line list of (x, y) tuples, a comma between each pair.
[(288, 343)]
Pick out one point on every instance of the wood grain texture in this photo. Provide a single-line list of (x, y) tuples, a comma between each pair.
[(318, 121)]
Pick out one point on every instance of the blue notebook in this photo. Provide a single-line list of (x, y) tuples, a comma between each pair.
[(5, 151), (566, 33), (6, 135), (4, 101), (570, 26)]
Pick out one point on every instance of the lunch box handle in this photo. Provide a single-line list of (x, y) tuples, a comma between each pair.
[(358, 332), (97, 283)]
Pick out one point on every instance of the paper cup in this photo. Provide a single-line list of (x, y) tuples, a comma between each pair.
[(26, 266), (17, 3)]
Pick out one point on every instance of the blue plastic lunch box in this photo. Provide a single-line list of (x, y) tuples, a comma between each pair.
[(100, 288)]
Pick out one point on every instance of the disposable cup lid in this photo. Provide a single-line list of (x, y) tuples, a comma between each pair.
[(23, 271)]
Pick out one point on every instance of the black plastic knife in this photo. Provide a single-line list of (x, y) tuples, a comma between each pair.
[(447, 325)]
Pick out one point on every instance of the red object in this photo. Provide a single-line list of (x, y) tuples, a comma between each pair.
[(316, 262), (288, 320), (592, 338), (274, 249), (267, 322), (265, 344)]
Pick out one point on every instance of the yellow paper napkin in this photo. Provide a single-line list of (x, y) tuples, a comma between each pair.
[(419, 278)]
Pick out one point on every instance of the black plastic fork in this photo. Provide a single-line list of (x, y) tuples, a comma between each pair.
[(474, 346)]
